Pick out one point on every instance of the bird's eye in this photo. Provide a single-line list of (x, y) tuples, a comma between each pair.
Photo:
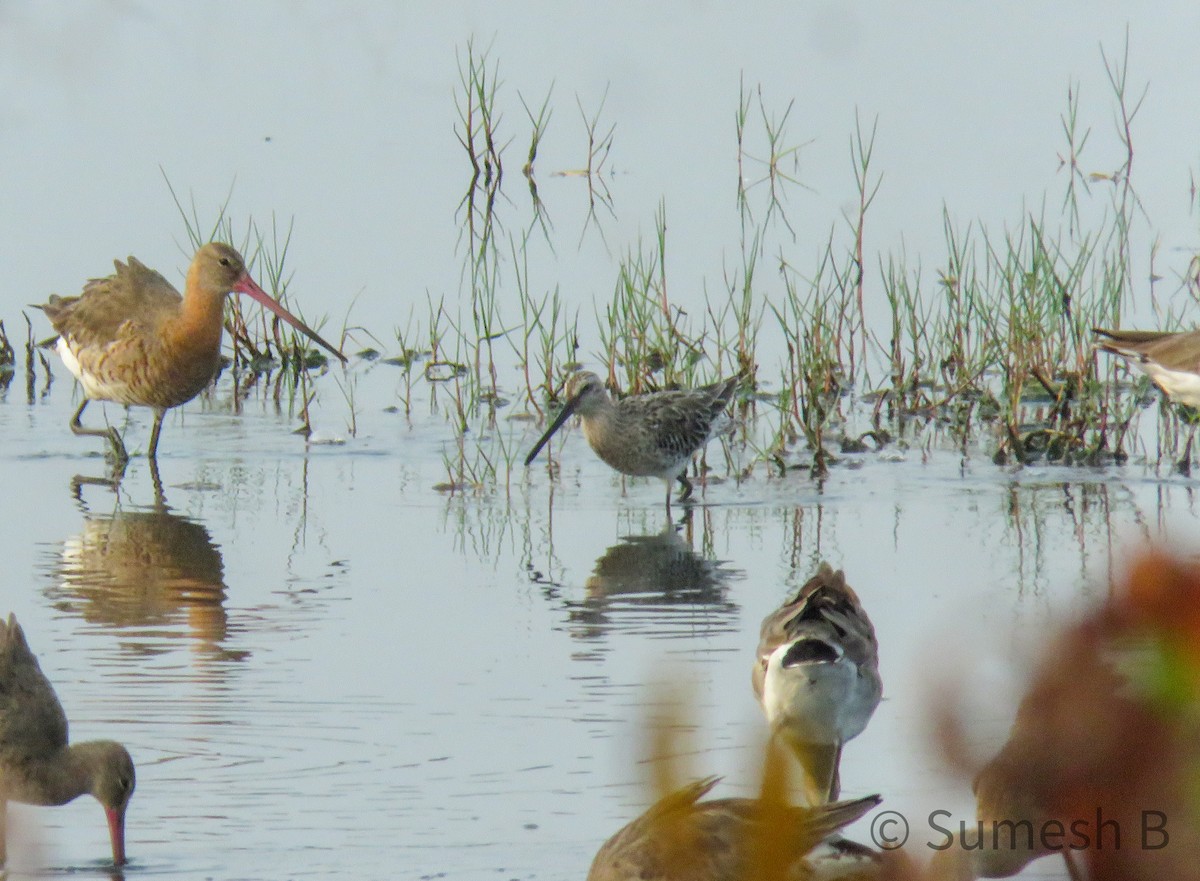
[(225, 261)]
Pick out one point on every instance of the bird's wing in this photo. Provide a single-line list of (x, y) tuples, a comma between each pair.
[(115, 307), (32, 721)]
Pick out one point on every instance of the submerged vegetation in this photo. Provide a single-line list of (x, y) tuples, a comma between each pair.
[(993, 357), (986, 350)]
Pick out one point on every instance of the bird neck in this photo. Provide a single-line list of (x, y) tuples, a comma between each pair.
[(201, 318), (602, 426), (60, 778)]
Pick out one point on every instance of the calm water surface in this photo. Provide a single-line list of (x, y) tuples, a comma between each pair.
[(326, 668)]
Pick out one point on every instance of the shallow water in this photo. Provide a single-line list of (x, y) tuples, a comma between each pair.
[(323, 666)]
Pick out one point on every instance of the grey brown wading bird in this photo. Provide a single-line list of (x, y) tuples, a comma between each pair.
[(681, 838), (37, 765), (817, 676), (649, 435), (132, 339), (1171, 360)]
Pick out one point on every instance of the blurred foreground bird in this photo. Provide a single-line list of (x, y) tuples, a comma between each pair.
[(1101, 763), (681, 838)]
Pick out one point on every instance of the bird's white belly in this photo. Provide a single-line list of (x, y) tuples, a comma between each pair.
[(94, 386), (820, 702), (1181, 386)]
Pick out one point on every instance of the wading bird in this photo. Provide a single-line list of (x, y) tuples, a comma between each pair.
[(37, 765), (132, 339), (817, 676), (648, 435)]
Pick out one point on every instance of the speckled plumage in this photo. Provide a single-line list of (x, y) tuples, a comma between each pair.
[(116, 339), (681, 838), (648, 435), (817, 674)]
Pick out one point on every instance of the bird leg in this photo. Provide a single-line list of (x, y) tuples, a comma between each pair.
[(160, 502), (158, 418), (687, 486), (3, 831), (1191, 417), (114, 439)]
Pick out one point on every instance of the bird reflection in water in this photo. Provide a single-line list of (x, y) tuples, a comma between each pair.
[(148, 569), (656, 585)]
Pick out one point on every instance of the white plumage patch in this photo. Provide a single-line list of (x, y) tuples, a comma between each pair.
[(1181, 386), (67, 354), (93, 386), (820, 702)]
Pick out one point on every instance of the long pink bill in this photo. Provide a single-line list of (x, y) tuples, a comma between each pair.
[(563, 415), (247, 285), (116, 832)]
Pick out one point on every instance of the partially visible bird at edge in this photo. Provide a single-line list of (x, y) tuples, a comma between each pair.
[(132, 339), (1171, 360), (654, 434), (37, 764)]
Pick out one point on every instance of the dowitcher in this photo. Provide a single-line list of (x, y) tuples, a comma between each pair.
[(648, 435), (37, 766), (817, 676), (1171, 360), (132, 339), (681, 838)]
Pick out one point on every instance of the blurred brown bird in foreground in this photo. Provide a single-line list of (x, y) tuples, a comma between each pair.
[(681, 838), (1104, 757)]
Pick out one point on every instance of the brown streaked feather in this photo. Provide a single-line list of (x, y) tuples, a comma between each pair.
[(129, 335), (680, 422), (134, 300), (653, 434), (824, 607)]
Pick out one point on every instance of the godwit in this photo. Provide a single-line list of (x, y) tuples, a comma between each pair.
[(37, 766), (649, 435), (817, 676), (132, 339), (1171, 360), (682, 839)]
